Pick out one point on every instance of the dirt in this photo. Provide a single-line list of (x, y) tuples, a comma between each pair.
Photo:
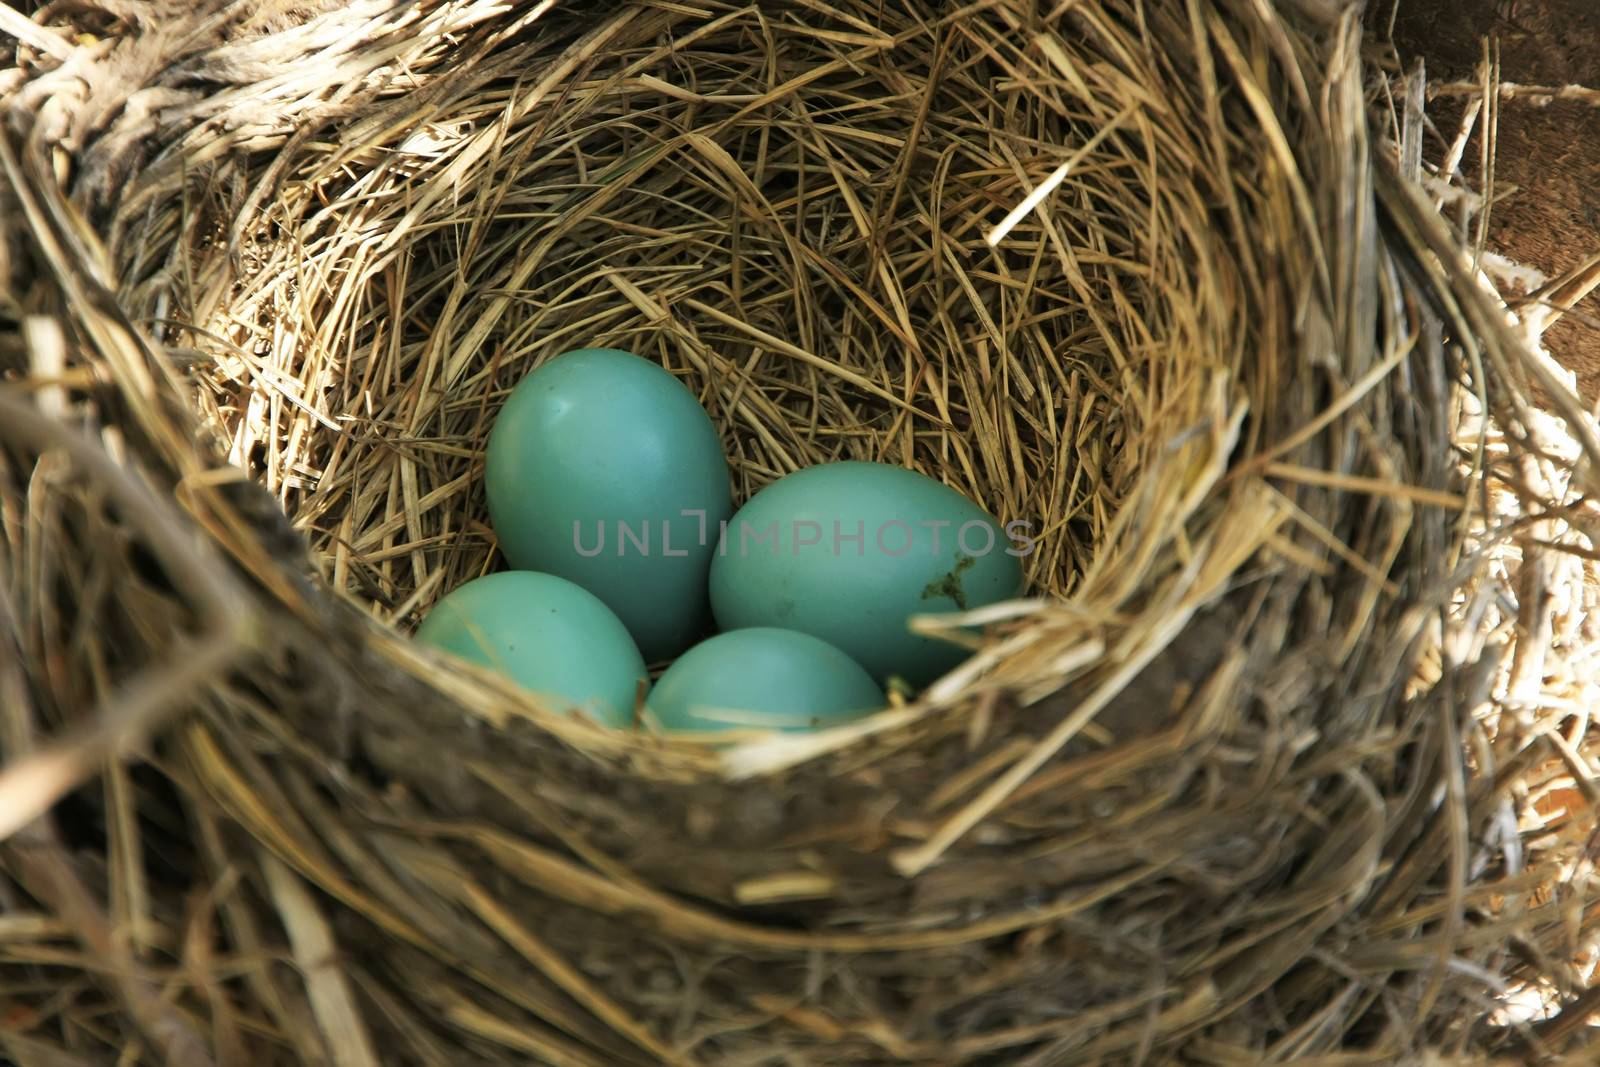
[(1548, 157)]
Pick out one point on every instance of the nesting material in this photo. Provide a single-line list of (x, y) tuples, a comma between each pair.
[(1234, 782)]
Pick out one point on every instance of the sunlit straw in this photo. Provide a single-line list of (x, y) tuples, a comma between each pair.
[(1057, 176)]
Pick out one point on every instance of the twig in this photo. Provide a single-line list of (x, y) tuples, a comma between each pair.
[(31, 785), (30, 33), (1056, 177), (51, 877), (1534, 95)]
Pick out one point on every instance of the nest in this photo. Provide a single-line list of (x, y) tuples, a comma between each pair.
[(1232, 783)]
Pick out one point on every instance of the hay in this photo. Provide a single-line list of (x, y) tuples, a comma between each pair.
[(1241, 780)]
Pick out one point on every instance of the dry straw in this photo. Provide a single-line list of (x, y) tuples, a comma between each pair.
[(1261, 770)]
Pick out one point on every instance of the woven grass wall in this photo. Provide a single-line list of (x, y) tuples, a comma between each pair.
[(1252, 773)]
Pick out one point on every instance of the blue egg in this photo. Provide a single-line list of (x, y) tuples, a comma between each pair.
[(546, 634), (848, 552), (604, 469), (762, 678)]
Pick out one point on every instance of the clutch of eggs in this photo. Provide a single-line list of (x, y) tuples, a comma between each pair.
[(609, 491)]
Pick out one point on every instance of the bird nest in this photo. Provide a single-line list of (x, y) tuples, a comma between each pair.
[(1228, 785)]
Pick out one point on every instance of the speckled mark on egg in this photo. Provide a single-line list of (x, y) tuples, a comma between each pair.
[(949, 584)]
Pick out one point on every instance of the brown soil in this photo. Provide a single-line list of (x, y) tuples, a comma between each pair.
[(1551, 154)]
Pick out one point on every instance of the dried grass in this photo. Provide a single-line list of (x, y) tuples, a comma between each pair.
[(1286, 756)]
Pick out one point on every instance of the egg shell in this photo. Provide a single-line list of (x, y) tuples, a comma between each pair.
[(812, 573), (762, 678), (604, 469), (545, 633)]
